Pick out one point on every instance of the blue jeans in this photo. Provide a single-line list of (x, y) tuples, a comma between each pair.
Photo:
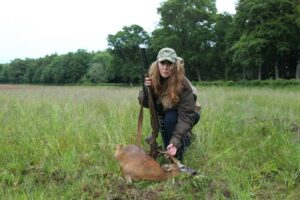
[(167, 123)]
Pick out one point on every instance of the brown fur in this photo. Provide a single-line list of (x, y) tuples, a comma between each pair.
[(136, 164)]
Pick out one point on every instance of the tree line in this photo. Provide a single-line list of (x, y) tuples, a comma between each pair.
[(261, 41)]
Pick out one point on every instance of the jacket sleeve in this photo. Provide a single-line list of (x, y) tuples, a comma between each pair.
[(186, 112), (143, 98)]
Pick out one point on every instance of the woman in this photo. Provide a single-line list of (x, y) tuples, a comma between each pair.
[(174, 101)]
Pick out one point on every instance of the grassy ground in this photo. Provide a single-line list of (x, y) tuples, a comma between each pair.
[(58, 143)]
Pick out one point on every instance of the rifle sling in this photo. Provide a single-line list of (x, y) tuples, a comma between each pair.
[(153, 118), (140, 126)]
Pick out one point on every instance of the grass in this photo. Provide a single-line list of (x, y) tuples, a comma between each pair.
[(58, 143)]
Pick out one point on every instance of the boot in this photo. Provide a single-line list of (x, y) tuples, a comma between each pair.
[(188, 170), (149, 139)]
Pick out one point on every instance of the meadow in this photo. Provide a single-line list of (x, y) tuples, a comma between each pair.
[(57, 142)]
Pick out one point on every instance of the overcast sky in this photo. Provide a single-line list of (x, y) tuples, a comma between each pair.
[(36, 28)]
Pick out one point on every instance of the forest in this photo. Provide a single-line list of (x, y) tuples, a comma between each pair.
[(261, 41)]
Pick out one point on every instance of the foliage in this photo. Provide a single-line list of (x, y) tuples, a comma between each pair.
[(125, 49), (17, 71), (187, 26), (99, 70), (222, 67), (260, 42), (3, 73), (268, 35)]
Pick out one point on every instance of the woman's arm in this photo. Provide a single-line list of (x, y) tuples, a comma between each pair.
[(186, 112)]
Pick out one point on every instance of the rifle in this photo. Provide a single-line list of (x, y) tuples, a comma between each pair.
[(153, 116)]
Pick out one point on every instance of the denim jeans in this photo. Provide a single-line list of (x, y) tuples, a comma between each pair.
[(167, 123)]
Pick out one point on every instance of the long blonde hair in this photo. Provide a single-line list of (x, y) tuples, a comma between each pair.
[(174, 85)]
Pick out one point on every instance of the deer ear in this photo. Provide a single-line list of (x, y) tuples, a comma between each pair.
[(118, 151), (119, 147)]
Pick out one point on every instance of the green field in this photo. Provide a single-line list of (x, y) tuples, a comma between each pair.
[(58, 143)]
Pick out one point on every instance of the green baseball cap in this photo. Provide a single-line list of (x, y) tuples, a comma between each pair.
[(167, 54)]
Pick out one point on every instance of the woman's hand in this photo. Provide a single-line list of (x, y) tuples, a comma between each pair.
[(171, 149), (148, 81)]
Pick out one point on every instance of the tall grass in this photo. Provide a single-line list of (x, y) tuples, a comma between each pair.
[(248, 139), (58, 143)]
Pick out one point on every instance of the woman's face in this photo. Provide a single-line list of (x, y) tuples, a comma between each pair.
[(165, 68)]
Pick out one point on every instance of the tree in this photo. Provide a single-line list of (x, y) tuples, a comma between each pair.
[(68, 68), (4, 73), (248, 52), (55, 70), (124, 48), (16, 71), (297, 19), (99, 69), (270, 23), (77, 65), (222, 38), (31, 66), (186, 26), (41, 64)]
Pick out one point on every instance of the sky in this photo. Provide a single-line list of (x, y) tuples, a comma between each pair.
[(36, 28)]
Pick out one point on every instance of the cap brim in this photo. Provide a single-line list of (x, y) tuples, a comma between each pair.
[(172, 60)]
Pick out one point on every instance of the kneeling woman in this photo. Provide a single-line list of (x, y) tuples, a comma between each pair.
[(174, 101)]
